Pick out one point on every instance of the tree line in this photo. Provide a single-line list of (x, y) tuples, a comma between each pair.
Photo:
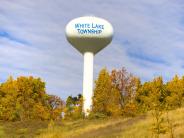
[(25, 98), (116, 93), (120, 93)]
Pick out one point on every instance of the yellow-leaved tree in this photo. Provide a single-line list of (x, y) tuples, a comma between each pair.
[(25, 98), (106, 99), (175, 92)]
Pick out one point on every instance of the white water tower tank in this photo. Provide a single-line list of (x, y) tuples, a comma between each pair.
[(89, 35)]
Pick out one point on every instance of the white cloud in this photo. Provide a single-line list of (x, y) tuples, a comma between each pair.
[(151, 28)]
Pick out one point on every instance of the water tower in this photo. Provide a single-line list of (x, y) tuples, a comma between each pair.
[(88, 35)]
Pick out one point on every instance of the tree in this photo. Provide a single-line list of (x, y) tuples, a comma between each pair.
[(8, 100), (106, 99), (175, 92), (127, 84), (31, 98), (120, 79), (73, 108), (152, 94), (56, 106), (25, 98)]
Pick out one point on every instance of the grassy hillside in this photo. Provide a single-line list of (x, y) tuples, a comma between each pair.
[(137, 127)]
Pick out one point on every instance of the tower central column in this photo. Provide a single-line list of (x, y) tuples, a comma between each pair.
[(89, 35), (88, 82)]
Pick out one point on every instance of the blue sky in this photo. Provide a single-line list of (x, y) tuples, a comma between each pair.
[(148, 40)]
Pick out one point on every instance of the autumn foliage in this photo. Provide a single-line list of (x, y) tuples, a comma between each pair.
[(116, 93), (119, 93), (25, 98)]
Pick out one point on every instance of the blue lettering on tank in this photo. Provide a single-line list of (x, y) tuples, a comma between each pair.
[(89, 28)]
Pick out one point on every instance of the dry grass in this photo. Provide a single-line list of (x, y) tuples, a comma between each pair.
[(80, 128), (2, 134), (138, 127), (26, 129), (90, 128), (144, 129)]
